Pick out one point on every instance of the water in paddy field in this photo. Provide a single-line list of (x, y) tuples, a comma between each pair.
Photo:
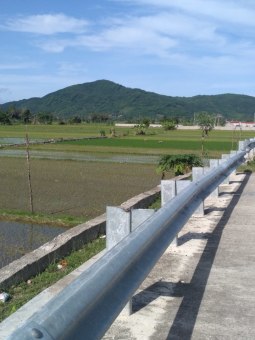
[(16, 140), (10, 140), (79, 156), (17, 239)]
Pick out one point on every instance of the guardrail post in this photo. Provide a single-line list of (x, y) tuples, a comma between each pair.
[(197, 173), (253, 149), (120, 223), (214, 163), (241, 145), (169, 189), (244, 146), (224, 157), (251, 152), (233, 153)]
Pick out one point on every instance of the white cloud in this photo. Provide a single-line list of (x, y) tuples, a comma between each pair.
[(191, 42), (242, 12), (55, 45), (131, 38), (18, 66), (47, 24), (66, 68), (154, 35)]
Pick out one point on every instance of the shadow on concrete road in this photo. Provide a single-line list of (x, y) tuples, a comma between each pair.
[(191, 293), (184, 322)]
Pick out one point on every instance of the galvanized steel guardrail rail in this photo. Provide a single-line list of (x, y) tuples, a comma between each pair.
[(87, 307)]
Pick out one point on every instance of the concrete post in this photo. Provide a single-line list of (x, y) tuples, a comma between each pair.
[(241, 146), (197, 173), (120, 223), (251, 152), (223, 158), (214, 163), (169, 189), (233, 153)]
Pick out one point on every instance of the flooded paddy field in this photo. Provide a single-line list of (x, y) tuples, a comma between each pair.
[(12, 140), (76, 188), (17, 239), (82, 156), (67, 181), (16, 140), (63, 187)]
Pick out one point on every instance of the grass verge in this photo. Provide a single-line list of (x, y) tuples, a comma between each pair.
[(248, 167), (25, 291), (40, 218)]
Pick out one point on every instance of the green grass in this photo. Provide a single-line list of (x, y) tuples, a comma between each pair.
[(23, 292), (248, 167), (41, 131), (154, 144), (40, 218), (180, 141), (87, 130)]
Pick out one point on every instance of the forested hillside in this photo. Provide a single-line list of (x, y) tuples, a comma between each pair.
[(108, 98)]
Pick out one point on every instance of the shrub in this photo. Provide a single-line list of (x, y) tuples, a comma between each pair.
[(180, 164), (168, 125)]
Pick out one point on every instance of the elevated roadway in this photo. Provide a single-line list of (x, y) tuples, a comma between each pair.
[(204, 288)]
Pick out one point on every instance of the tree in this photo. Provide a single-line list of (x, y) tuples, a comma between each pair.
[(180, 164), (99, 118), (146, 122), (169, 125), (45, 118), (206, 123), (15, 114), (26, 116), (75, 120), (4, 118), (140, 129)]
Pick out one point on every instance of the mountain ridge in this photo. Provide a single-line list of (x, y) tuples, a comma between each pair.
[(107, 97)]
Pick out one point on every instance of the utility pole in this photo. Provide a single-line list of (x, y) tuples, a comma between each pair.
[(29, 176)]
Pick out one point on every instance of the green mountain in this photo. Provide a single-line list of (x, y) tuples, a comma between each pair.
[(106, 97)]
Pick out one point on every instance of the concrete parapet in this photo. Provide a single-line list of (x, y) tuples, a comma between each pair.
[(37, 260)]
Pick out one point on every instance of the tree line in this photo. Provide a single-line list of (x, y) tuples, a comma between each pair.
[(14, 115), (24, 116)]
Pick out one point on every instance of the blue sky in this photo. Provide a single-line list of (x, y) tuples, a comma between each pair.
[(172, 47)]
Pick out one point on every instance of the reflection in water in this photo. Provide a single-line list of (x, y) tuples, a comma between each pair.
[(17, 239), (31, 236)]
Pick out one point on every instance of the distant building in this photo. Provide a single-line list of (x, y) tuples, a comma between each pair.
[(236, 123)]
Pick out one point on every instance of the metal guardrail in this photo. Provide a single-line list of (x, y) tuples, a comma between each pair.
[(87, 307)]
